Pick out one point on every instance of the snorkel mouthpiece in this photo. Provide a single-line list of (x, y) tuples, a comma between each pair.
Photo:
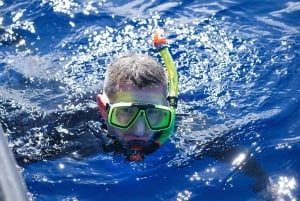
[(135, 151)]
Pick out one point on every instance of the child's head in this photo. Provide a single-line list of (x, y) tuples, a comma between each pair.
[(135, 90), (140, 71)]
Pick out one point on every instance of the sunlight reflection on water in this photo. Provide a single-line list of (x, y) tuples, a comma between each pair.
[(227, 72), (285, 187)]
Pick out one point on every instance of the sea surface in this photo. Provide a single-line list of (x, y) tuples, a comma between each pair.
[(239, 71)]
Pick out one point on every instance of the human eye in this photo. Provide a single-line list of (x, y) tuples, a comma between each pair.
[(125, 115), (155, 115), (126, 111), (158, 117), (152, 112)]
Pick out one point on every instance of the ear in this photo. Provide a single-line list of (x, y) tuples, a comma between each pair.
[(102, 100)]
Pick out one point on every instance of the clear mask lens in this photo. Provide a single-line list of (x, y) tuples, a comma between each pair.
[(124, 116)]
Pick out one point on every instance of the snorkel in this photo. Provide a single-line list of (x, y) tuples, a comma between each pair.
[(160, 43)]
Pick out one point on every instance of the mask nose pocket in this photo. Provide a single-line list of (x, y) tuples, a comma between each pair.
[(140, 125)]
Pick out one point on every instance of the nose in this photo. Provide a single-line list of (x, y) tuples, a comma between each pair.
[(140, 127)]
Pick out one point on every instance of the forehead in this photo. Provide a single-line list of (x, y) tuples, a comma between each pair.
[(154, 95)]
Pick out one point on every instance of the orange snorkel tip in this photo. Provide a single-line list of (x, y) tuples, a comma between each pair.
[(159, 39)]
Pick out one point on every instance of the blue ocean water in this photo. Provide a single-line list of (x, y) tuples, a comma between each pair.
[(238, 66)]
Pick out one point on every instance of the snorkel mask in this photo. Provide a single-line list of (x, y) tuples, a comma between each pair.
[(138, 151)]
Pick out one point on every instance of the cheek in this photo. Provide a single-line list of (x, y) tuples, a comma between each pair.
[(120, 134), (114, 131)]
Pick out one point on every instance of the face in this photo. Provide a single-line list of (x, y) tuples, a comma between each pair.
[(139, 130)]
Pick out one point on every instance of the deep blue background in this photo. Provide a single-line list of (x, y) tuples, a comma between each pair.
[(238, 65)]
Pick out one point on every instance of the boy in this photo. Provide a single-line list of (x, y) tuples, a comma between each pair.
[(139, 83)]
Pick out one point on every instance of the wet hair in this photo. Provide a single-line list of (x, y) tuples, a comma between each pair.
[(134, 70)]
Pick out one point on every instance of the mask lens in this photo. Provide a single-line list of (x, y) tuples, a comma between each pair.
[(158, 118), (123, 116)]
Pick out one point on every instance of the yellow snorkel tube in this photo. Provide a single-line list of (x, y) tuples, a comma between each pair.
[(160, 42)]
